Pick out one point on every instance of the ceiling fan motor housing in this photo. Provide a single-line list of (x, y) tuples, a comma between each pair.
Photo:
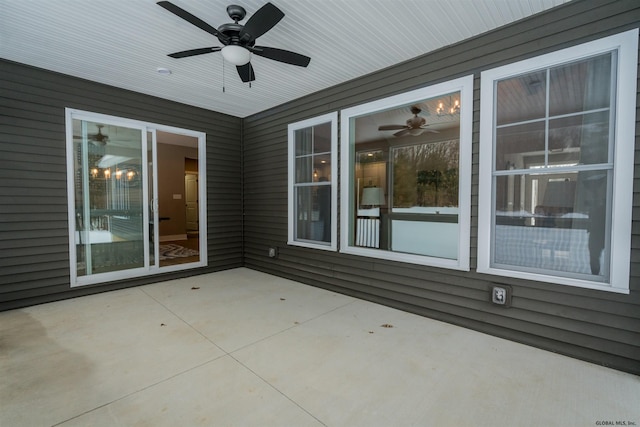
[(232, 31), (237, 13), (416, 122)]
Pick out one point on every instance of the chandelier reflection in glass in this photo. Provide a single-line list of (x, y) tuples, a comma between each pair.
[(452, 109)]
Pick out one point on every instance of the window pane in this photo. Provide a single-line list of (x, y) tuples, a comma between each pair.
[(370, 170), (108, 197), (322, 167), (313, 218), (434, 239), (515, 144), (521, 98), (304, 141), (424, 218), (580, 86), (304, 169), (583, 138), (322, 138), (510, 200), (553, 221), (426, 175)]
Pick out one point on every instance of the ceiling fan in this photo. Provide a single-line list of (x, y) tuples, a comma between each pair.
[(239, 40), (415, 126), (98, 139)]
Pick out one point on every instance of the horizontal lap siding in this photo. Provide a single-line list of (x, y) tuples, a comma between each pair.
[(34, 248), (591, 325)]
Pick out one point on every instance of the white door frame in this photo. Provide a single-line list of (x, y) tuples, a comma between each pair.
[(145, 127)]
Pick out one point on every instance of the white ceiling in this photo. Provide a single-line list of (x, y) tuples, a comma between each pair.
[(123, 42)]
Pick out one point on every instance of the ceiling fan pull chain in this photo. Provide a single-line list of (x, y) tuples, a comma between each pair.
[(223, 88)]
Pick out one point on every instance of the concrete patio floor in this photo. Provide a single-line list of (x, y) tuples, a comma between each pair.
[(244, 348)]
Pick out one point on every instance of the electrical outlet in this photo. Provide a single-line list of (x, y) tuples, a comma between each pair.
[(501, 295), (273, 252)]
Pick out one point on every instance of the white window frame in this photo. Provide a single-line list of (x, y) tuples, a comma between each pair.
[(332, 119), (626, 45), (465, 86)]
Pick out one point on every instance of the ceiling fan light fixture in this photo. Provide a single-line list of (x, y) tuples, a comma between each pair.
[(237, 55)]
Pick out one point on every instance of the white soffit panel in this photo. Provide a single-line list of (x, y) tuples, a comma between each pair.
[(123, 42)]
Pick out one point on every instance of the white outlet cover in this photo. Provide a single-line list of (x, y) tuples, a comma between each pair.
[(499, 295)]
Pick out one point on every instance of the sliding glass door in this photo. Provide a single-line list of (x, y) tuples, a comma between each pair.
[(113, 200), (109, 206)]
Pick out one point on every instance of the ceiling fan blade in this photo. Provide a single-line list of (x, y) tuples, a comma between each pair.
[(392, 127), (402, 132), (281, 55), (193, 52), (246, 72), (193, 20), (431, 130), (260, 22)]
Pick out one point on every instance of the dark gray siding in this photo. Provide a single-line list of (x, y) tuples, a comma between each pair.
[(597, 326), (34, 251)]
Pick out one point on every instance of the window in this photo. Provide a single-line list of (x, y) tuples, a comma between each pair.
[(556, 165), (127, 214), (406, 176), (312, 182)]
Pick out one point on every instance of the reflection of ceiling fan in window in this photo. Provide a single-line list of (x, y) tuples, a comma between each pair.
[(98, 139), (414, 126), (102, 137)]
